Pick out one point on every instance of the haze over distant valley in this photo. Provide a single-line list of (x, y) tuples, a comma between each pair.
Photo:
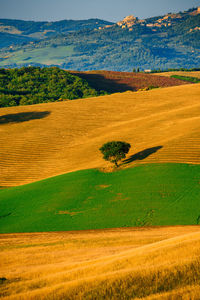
[(162, 42)]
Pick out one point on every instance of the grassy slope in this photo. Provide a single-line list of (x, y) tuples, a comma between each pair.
[(45, 140), (126, 263), (158, 194)]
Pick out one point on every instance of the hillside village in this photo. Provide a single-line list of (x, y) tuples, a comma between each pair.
[(161, 42), (166, 21)]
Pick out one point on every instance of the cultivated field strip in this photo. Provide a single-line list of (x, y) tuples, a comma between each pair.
[(195, 74), (70, 136), (102, 264), (112, 81)]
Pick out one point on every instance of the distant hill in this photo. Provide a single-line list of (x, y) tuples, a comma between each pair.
[(8, 39), (14, 32), (169, 41)]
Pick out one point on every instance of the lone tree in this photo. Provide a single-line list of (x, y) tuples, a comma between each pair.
[(115, 151)]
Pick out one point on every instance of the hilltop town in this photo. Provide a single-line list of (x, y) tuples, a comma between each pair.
[(154, 23)]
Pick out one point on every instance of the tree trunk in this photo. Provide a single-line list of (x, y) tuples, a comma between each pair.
[(116, 164)]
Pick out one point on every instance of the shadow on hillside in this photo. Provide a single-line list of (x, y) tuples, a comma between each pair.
[(100, 82), (142, 154), (23, 117)]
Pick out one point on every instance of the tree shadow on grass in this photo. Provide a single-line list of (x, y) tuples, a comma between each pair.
[(23, 117), (142, 154)]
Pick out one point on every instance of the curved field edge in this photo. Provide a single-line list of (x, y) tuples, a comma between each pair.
[(56, 138), (151, 194), (123, 263)]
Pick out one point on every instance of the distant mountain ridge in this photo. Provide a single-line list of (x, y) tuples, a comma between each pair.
[(33, 27), (169, 41), (33, 30)]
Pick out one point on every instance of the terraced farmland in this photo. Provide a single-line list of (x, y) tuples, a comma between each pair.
[(132, 263), (49, 139)]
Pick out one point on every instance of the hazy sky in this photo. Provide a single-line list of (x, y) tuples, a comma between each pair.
[(110, 10)]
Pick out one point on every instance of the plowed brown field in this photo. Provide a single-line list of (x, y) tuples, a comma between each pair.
[(114, 82), (45, 140)]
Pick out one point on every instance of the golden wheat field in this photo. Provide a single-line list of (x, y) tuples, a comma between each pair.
[(181, 73), (45, 140), (125, 263)]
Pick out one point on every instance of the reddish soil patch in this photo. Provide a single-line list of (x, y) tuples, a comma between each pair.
[(114, 82)]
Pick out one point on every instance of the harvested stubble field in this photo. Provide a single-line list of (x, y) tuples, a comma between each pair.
[(132, 263), (45, 140), (195, 74), (114, 82)]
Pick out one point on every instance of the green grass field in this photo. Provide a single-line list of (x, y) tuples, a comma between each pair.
[(154, 194), (186, 78), (46, 56)]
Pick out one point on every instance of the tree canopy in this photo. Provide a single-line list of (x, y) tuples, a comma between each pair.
[(31, 85), (115, 151)]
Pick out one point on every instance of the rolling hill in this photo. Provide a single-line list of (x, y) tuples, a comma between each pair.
[(158, 184), (114, 82), (33, 85), (170, 41), (53, 177), (147, 195), (49, 139), (132, 263), (45, 140), (16, 32)]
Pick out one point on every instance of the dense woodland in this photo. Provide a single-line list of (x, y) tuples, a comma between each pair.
[(35, 85)]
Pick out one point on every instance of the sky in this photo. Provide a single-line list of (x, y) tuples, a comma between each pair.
[(110, 10)]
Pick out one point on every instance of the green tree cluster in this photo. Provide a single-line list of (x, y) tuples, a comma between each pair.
[(32, 85), (115, 151)]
